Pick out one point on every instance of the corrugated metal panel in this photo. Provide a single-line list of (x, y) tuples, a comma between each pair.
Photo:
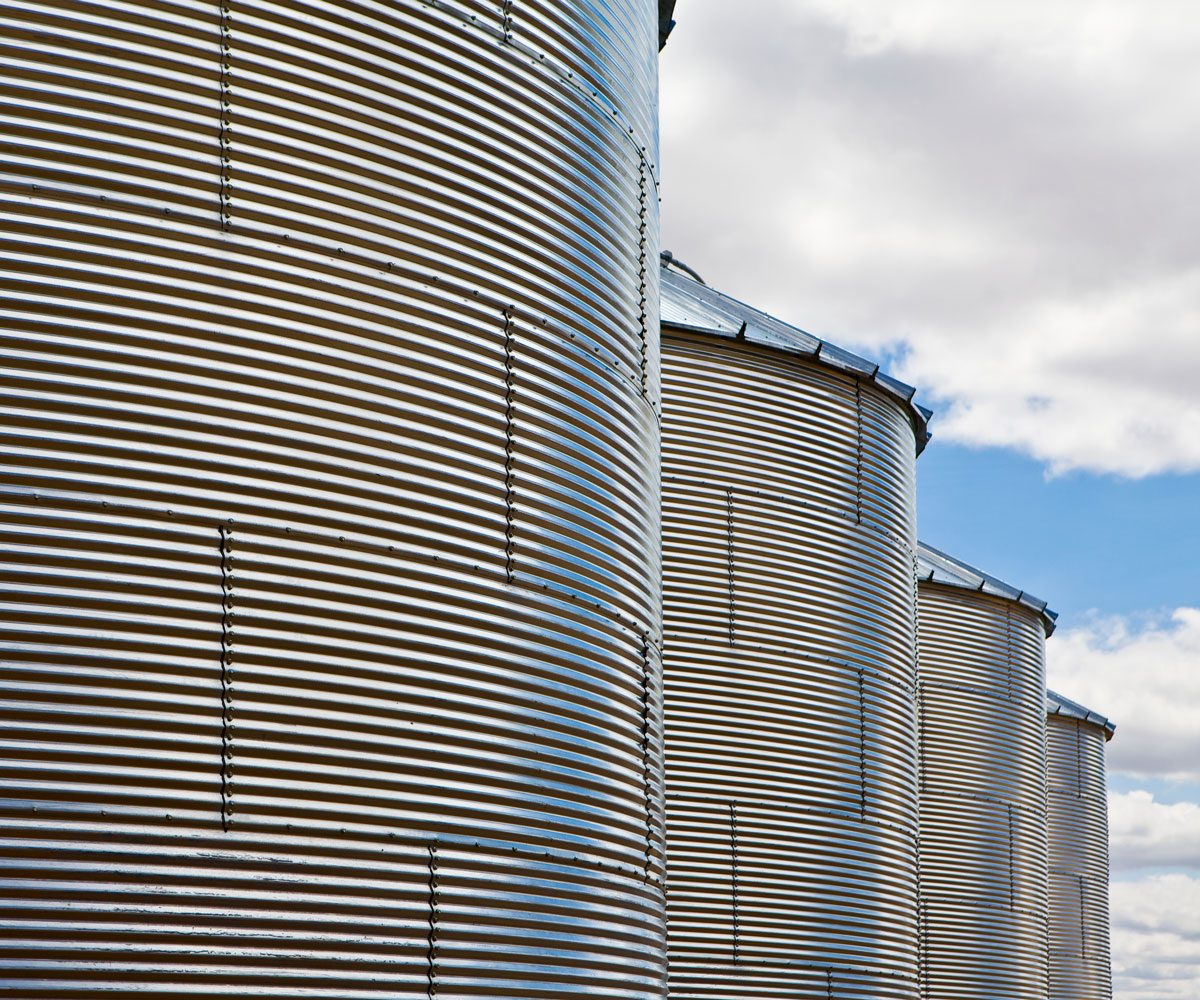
[(1080, 953), (789, 676), (983, 795), (331, 576)]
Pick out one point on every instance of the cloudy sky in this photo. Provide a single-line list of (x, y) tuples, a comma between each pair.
[(1001, 202)]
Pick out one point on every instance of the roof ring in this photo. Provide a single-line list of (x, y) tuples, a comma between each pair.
[(670, 260)]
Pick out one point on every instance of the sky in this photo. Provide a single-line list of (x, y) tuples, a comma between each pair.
[(1001, 203)]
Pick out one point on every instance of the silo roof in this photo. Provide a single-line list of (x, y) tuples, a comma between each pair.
[(1056, 704), (665, 22), (934, 566), (689, 304)]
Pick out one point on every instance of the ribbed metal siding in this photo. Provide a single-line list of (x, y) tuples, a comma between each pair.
[(983, 794), (1080, 956), (331, 562), (789, 674)]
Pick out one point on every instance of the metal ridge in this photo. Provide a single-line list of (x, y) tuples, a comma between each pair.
[(691, 305), (1056, 704), (935, 566)]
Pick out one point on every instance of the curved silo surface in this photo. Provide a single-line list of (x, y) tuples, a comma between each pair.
[(332, 578), (789, 665), (983, 784), (1080, 952)]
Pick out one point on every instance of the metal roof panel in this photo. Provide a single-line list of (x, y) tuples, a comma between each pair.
[(688, 304), (936, 566), (1056, 704)]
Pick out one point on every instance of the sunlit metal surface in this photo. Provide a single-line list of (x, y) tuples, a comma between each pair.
[(983, 785), (330, 645), (789, 673), (1080, 954)]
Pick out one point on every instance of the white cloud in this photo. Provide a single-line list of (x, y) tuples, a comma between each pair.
[(1156, 938), (1145, 674), (1147, 679), (1007, 190), (1144, 833)]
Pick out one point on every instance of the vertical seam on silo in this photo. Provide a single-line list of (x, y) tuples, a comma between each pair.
[(643, 316), (729, 560), (862, 744), (225, 193), (922, 953), (733, 844), (506, 20), (1012, 869), (647, 759), (510, 419), (226, 549), (858, 456), (1082, 920), (432, 954), (829, 983)]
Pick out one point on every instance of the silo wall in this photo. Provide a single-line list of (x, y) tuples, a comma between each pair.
[(1080, 951), (331, 641), (983, 795), (789, 671)]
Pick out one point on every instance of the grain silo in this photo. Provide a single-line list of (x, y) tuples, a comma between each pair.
[(789, 668), (983, 784), (1080, 955), (332, 574)]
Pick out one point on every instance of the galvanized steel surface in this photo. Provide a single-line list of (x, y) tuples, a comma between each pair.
[(983, 796), (789, 674), (1080, 953), (331, 643)]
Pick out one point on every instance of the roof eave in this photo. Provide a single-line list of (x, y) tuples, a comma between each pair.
[(738, 320), (963, 576), (1056, 704)]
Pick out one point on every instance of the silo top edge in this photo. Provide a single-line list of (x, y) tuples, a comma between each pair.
[(1056, 704), (690, 305), (935, 566)]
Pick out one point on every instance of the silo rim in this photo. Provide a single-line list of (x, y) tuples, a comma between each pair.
[(691, 306), (935, 566), (1056, 704)]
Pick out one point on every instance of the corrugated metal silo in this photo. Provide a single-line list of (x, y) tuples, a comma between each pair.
[(983, 784), (789, 667), (332, 564), (1080, 954)]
